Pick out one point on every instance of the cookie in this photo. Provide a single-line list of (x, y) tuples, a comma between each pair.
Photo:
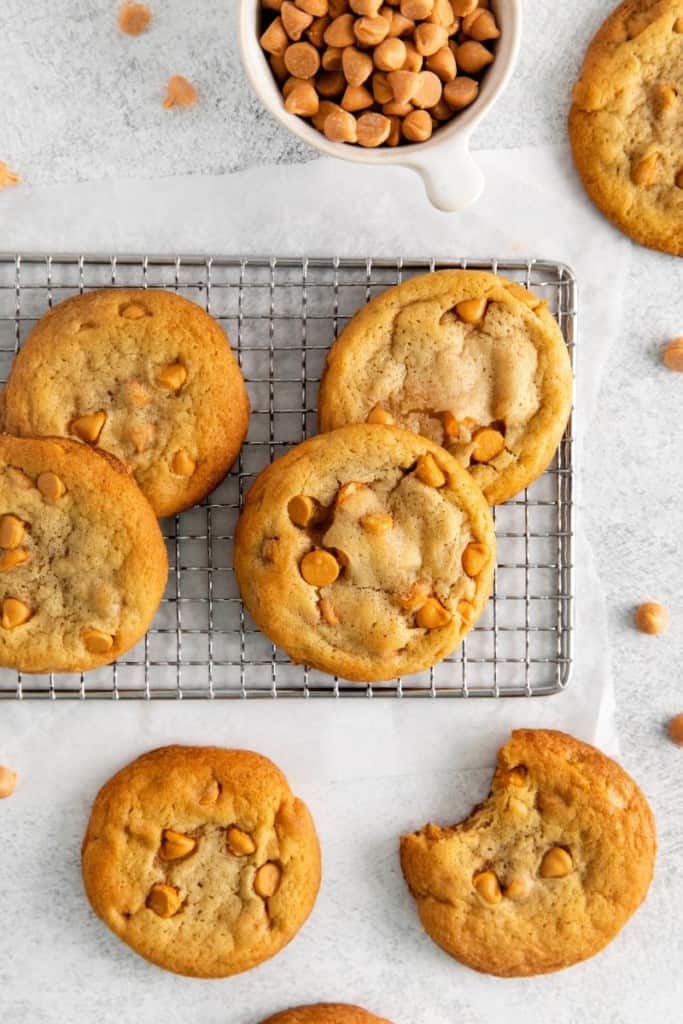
[(367, 552), (470, 360), (326, 1013), (145, 375), (626, 122), (82, 561), (201, 859), (546, 871)]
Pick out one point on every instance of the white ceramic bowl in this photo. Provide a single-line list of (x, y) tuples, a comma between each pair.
[(451, 177)]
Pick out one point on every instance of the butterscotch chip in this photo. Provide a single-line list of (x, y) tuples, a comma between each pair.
[(403, 85), (176, 845), (518, 894), (164, 900), (508, 373), (460, 92), (11, 531), (379, 415), (319, 568), (302, 509), (179, 93), (398, 541), (472, 57), (480, 25), (97, 641), (50, 486), (8, 177), (355, 98), (417, 126), (153, 838), (340, 31), (134, 19), (651, 617), (303, 100), (340, 126), (275, 40), (357, 66), (487, 444), (672, 356), (172, 376), (318, 8), (372, 129), (429, 89), (390, 54), (8, 782), (371, 31), (302, 60), (675, 729), (487, 886), (267, 880), (471, 311), (239, 843), (14, 613), (624, 127), (88, 427), (556, 863), (12, 559), (294, 20), (428, 471), (474, 558)]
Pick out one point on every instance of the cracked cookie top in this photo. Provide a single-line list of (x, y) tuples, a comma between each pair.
[(143, 374), (367, 552), (201, 859), (83, 563), (626, 121), (546, 871), (465, 358)]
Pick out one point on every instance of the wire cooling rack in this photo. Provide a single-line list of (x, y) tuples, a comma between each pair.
[(281, 316)]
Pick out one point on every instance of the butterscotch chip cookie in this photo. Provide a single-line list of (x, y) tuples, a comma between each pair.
[(82, 561), (546, 871), (326, 1013), (143, 374), (201, 859), (470, 360), (626, 122), (367, 552)]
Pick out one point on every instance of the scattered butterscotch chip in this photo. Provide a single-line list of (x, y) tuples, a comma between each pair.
[(487, 444), (11, 559), (88, 427), (301, 509), (676, 730), (427, 470), (471, 311), (474, 558), (327, 611), (179, 93), (11, 531), (517, 889), (134, 19), (172, 376), (8, 177), (379, 415), (377, 523), (651, 618), (267, 880), (8, 782), (672, 356), (183, 464), (163, 899), (416, 596)]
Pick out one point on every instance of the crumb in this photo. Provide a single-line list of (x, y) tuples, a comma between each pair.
[(7, 177), (180, 93), (134, 19)]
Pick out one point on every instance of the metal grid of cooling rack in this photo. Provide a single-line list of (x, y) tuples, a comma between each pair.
[(282, 315)]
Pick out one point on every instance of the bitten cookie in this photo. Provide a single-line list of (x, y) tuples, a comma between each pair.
[(82, 561), (201, 859), (466, 358), (326, 1013), (367, 552), (626, 122), (143, 374), (546, 871)]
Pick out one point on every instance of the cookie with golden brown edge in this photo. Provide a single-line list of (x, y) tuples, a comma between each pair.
[(201, 859), (546, 871), (143, 374), (82, 561), (466, 358), (626, 122), (367, 552), (326, 1013)]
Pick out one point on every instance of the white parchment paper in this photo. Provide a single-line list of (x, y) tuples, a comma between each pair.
[(369, 769)]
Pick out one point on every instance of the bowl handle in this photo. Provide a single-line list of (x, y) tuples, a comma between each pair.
[(451, 177)]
